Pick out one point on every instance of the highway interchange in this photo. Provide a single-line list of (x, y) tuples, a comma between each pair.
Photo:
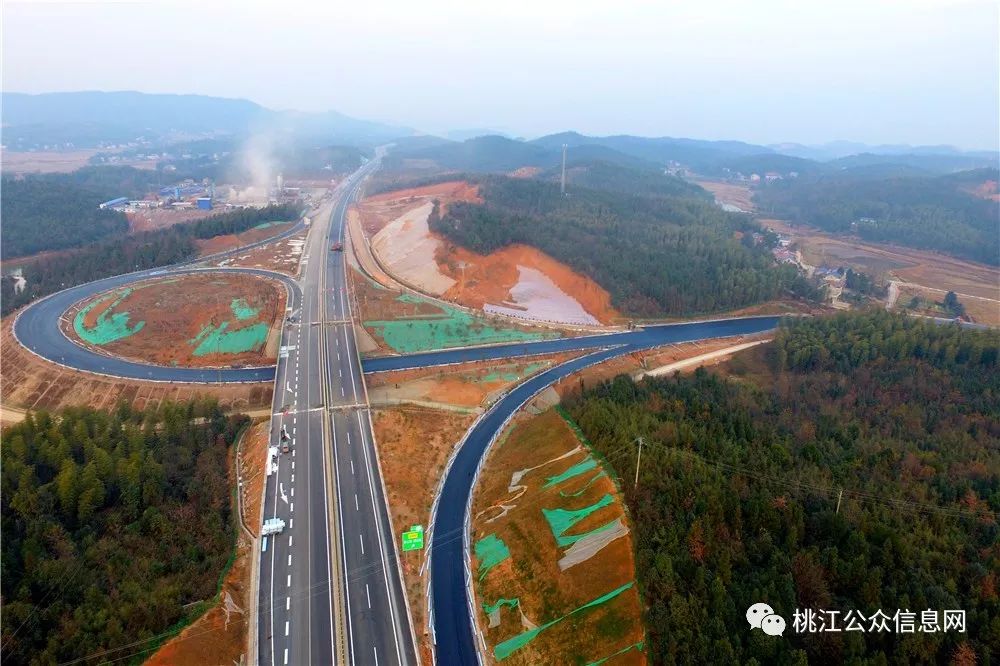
[(329, 586)]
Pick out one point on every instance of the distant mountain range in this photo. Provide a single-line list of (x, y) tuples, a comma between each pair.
[(87, 119), (711, 158)]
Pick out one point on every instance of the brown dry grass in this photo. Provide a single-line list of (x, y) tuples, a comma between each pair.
[(18, 162), (215, 244), (731, 193), (463, 385), (32, 383), (532, 574), (176, 309), (152, 219), (413, 445), (282, 256), (929, 269)]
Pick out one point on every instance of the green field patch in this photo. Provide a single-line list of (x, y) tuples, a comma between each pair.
[(242, 310), (586, 485), (451, 327), (110, 325), (584, 465), (219, 340), (511, 645), (490, 551), (562, 520)]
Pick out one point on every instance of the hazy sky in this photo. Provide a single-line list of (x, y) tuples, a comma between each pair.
[(877, 71)]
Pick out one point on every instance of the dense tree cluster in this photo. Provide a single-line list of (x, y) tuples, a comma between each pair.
[(41, 216), (131, 253), (603, 175), (113, 522), (933, 213), (655, 255), (737, 500)]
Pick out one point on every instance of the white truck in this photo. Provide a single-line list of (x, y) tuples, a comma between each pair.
[(273, 526)]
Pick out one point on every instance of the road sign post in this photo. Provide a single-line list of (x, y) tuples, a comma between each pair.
[(413, 539)]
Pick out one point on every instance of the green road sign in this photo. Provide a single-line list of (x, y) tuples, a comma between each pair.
[(414, 538)]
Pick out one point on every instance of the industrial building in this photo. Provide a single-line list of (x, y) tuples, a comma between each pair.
[(115, 204)]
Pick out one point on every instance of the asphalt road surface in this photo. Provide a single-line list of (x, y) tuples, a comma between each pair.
[(337, 543)]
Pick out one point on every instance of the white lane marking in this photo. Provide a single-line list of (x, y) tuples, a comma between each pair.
[(286, 655), (293, 465), (291, 508), (338, 356), (281, 490), (362, 544), (342, 390), (288, 603), (291, 523), (352, 465), (289, 581), (380, 535), (293, 430), (290, 537), (286, 627), (356, 508), (369, 595), (289, 559), (293, 492), (263, 548), (293, 481), (343, 541), (293, 454), (376, 654)]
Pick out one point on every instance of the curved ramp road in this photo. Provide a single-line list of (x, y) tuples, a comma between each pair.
[(451, 605), (37, 328)]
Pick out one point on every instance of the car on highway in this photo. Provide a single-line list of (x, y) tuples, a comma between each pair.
[(337, 247)]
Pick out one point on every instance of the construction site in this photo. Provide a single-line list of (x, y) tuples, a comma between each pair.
[(193, 320), (519, 282), (553, 569)]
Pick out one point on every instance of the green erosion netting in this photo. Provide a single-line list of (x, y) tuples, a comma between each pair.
[(214, 339), (110, 326), (509, 603), (511, 645), (635, 646), (490, 551), (587, 485), (451, 328), (562, 520), (584, 465), (242, 310)]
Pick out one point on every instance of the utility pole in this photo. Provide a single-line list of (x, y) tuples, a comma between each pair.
[(563, 187), (839, 496), (638, 459)]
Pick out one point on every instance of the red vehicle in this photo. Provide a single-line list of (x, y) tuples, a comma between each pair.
[(337, 247)]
